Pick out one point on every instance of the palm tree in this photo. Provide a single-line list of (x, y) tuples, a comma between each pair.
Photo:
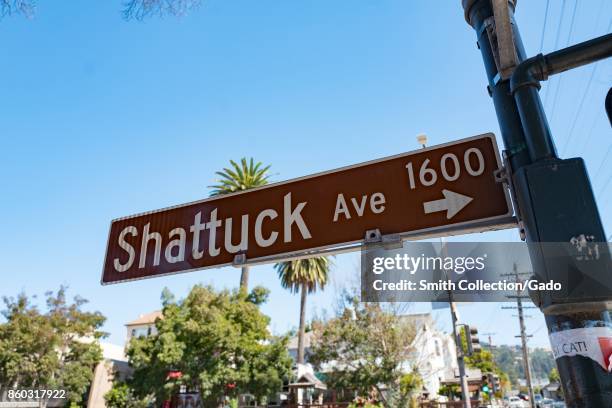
[(304, 276), (243, 176)]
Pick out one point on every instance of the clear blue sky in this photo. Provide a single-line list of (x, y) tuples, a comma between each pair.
[(101, 118)]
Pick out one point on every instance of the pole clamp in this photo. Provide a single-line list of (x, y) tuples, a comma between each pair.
[(239, 260)]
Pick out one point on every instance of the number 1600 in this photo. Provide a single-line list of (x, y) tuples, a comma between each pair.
[(450, 168)]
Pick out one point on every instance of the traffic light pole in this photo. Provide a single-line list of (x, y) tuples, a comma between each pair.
[(463, 381), (519, 306), (465, 391), (554, 199)]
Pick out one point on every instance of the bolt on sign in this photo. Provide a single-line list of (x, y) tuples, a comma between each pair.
[(421, 193)]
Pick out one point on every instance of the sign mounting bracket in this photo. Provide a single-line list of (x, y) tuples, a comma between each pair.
[(389, 241)]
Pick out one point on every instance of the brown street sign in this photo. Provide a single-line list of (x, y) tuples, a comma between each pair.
[(421, 193)]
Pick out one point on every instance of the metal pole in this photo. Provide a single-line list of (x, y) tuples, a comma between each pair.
[(554, 198), (465, 390), (525, 85), (519, 304)]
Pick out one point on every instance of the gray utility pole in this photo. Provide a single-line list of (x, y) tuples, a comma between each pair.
[(489, 336), (519, 306), (553, 198), (465, 390)]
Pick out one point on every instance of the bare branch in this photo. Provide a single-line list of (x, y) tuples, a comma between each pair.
[(140, 9), (11, 7)]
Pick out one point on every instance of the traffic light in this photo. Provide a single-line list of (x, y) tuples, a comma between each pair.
[(485, 388), (494, 382), (472, 340)]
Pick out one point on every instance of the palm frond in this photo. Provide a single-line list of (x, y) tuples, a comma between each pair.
[(240, 176), (311, 272)]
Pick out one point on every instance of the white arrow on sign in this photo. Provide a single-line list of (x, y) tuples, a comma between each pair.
[(452, 203)]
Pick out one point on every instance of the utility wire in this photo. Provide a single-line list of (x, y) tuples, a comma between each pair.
[(569, 37), (544, 27), (587, 139), (605, 186), (538, 329), (602, 162), (571, 27), (584, 95), (595, 119), (556, 45)]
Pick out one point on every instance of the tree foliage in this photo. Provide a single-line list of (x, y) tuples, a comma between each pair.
[(218, 341), (57, 349), (485, 362), (11, 7), (364, 348), (140, 9), (305, 275), (311, 273), (132, 9), (510, 360), (240, 177), (553, 376)]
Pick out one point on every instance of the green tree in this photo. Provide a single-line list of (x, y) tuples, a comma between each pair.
[(410, 385), (553, 376), (240, 177), (218, 341), (450, 390), (304, 276), (509, 359), (118, 396), (121, 396), (57, 349), (506, 359), (485, 362), (541, 361), (369, 347)]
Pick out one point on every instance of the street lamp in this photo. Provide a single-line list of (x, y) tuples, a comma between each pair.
[(422, 139)]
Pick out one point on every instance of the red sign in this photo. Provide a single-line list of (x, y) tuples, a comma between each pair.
[(422, 192)]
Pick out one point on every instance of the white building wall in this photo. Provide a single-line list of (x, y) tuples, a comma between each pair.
[(434, 357)]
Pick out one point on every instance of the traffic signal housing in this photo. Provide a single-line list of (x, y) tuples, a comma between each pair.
[(494, 382), (472, 340)]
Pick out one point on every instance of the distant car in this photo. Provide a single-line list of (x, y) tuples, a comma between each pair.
[(539, 401), (559, 404), (524, 397), (515, 402), (546, 403)]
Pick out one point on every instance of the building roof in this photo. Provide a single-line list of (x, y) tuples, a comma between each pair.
[(148, 318), (308, 380), (293, 342), (419, 319)]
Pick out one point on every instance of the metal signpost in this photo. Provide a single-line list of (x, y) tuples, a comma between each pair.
[(440, 190), (554, 198)]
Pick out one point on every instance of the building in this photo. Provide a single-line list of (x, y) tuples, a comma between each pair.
[(114, 362), (143, 326), (293, 346), (434, 354)]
